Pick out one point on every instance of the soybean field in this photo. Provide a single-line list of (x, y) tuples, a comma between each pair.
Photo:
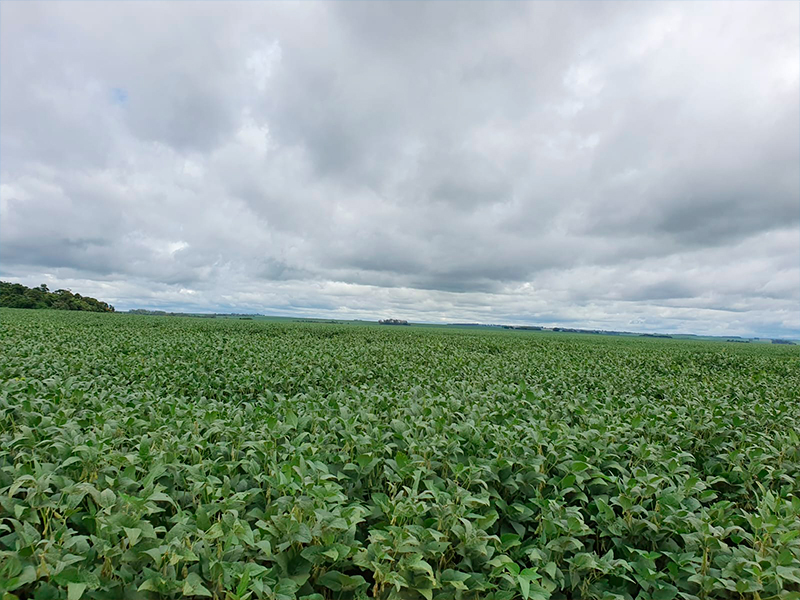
[(169, 457)]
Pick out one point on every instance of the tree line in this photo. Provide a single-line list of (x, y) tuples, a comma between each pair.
[(16, 295)]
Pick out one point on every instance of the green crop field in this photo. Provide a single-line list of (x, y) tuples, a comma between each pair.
[(163, 457)]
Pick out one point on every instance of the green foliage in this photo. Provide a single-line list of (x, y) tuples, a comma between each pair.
[(16, 295), (168, 458)]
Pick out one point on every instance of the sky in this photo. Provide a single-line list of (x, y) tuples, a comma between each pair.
[(615, 165)]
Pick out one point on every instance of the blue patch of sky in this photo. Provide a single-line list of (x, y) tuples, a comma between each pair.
[(119, 96)]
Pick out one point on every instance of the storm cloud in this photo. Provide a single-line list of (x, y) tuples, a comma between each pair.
[(623, 165)]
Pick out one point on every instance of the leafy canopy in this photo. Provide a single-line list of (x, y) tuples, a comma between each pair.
[(167, 458)]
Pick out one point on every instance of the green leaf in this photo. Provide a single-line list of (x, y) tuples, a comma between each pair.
[(508, 541), (156, 553), (75, 590), (133, 534), (551, 568), (243, 583), (332, 553), (418, 564), (337, 581), (193, 586), (28, 575), (455, 579), (107, 498), (148, 585), (791, 574), (265, 547), (664, 591), (19, 483), (538, 592), (525, 577), (160, 497), (524, 586)]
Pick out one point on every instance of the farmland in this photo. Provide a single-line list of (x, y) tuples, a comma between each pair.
[(160, 457)]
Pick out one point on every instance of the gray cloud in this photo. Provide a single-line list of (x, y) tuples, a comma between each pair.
[(618, 165)]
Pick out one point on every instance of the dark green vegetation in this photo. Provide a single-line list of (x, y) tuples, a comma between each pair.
[(16, 295), (160, 458)]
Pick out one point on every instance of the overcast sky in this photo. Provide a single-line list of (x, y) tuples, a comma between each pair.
[(631, 165)]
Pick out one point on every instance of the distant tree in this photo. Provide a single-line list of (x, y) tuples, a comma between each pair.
[(16, 295)]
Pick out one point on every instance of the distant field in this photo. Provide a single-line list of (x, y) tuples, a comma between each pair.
[(168, 457)]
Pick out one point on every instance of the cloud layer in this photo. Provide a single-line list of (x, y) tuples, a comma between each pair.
[(615, 165)]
